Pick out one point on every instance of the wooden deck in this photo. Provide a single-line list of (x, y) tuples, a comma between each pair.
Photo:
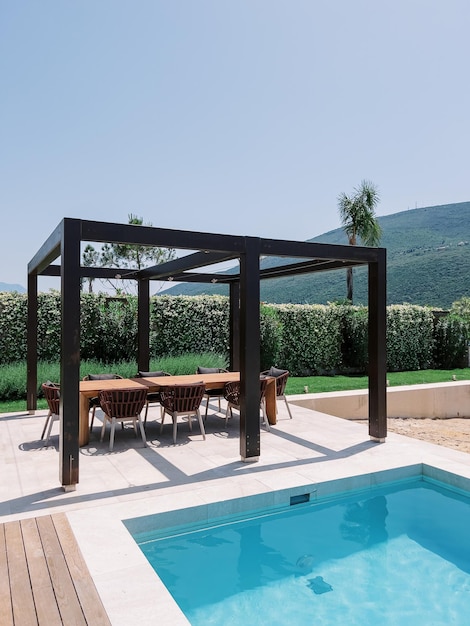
[(43, 577)]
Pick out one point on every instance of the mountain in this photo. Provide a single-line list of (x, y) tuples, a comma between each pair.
[(9, 287), (428, 263)]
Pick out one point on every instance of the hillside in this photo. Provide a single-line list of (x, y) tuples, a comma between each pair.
[(428, 263), (10, 287)]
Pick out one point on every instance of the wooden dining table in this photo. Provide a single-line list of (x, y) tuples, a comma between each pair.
[(91, 388)]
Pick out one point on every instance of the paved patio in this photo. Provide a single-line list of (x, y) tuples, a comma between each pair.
[(304, 454)]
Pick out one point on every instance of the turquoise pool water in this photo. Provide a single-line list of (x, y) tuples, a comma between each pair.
[(394, 555)]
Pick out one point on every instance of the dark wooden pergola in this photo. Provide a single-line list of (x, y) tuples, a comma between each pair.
[(205, 250)]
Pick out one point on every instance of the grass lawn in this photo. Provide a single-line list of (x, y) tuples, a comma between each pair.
[(318, 384)]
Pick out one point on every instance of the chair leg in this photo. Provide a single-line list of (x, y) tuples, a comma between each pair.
[(265, 419), (207, 406), (142, 431), (51, 421), (229, 410), (146, 411), (49, 416), (288, 407), (103, 428), (203, 432), (175, 426), (111, 436), (92, 417)]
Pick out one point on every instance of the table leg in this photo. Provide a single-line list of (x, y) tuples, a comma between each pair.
[(270, 399), (83, 427)]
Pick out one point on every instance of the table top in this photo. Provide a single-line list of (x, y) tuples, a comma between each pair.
[(91, 387), (209, 380)]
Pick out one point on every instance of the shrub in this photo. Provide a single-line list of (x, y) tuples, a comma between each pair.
[(450, 343), (409, 337), (354, 339), (182, 324), (311, 338), (270, 336)]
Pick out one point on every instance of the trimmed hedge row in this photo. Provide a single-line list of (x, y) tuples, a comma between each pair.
[(306, 339)]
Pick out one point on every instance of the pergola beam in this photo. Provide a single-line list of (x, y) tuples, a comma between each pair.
[(106, 232), (48, 252), (320, 251)]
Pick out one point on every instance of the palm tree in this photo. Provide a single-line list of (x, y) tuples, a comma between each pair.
[(357, 213)]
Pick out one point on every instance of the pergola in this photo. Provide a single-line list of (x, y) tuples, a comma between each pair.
[(204, 251)]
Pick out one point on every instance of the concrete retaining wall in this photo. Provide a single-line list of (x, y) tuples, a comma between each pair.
[(439, 400)]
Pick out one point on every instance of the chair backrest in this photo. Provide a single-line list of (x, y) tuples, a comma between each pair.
[(121, 403), (141, 374), (182, 398), (232, 390), (281, 377), (210, 370), (101, 377), (52, 395), (281, 382)]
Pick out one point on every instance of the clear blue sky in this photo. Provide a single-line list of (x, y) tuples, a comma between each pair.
[(236, 116)]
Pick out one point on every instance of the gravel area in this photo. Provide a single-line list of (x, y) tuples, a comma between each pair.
[(452, 432)]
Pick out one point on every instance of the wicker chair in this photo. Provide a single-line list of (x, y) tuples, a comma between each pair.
[(232, 393), (52, 394), (95, 402), (153, 397), (281, 377), (122, 405), (182, 400), (212, 393)]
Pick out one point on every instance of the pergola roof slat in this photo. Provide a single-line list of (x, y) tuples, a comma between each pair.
[(189, 262)]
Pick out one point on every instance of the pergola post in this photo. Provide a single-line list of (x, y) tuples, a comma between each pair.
[(70, 361), (143, 325), (378, 348), (234, 327), (250, 351), (32, 344)]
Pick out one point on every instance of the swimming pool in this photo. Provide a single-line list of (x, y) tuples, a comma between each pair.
[(396, 554)]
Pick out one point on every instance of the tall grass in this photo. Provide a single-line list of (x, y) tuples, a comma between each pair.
[(13, 375)]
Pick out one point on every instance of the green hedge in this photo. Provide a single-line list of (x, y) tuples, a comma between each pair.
[(310, 340), (189, 324), (306, 339), (409, 337)]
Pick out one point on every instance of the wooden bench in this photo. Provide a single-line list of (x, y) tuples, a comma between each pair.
[(43, 577)]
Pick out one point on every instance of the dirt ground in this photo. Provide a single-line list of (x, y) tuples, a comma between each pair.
[(449, 432)]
